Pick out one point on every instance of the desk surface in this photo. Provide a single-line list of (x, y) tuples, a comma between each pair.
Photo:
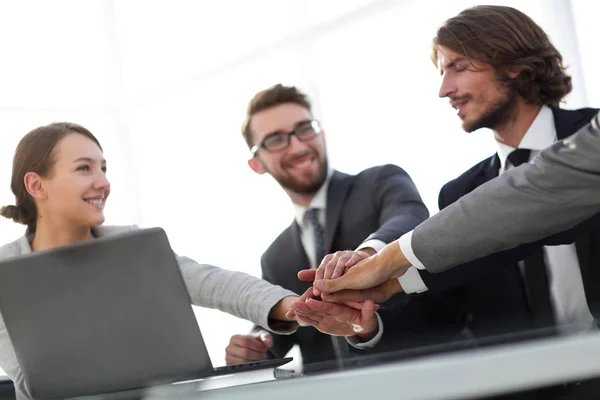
[(468, 373)]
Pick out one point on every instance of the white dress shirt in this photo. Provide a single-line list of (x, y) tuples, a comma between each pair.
[(567, 295), (307, 237)]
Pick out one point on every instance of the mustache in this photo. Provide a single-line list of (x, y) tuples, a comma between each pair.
[(459, 98)]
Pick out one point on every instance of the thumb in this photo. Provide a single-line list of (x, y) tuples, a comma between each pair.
[(368, 309), (331, 285), (266, 338), (307, 275)]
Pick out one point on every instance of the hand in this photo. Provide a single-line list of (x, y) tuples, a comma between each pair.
[(308, 294), (334, 265), (378, 294), (388, 264), (247, 348), (336, 319)]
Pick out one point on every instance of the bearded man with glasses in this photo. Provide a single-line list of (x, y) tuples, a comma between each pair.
[(333, 211)]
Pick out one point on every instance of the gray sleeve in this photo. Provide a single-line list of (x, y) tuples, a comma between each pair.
[(235, 293), (557, 191)]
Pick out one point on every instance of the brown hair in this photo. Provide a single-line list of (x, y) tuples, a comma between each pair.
[(509, 40), (35, 153), (271, 97)]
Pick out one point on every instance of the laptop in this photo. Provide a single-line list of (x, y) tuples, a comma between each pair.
[(105, 315)]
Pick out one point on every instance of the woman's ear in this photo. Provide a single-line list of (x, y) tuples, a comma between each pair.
[(35, 186)]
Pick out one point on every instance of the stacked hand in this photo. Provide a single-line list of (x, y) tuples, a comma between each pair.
[(356, 276), (337, 319), (342, 302), (348, 318)]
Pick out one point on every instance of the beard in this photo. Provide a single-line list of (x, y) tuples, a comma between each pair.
[(497, 113), (299, 186)]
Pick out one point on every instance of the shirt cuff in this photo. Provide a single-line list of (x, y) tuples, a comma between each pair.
[(355, 342), (412, 282), (375, 244), (405, 242)]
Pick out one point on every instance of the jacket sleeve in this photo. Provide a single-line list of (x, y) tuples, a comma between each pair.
[(399, 202), (555, 193), (235, 293)]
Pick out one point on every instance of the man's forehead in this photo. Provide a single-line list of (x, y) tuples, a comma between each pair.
[(446, 57), (284, 117)]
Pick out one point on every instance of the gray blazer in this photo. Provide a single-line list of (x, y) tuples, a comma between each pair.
[(558, 191), (233, 292)]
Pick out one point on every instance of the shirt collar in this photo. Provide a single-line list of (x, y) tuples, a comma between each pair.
[(541, 134), (319, 201)]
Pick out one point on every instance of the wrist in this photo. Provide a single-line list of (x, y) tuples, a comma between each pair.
[(392, 260), (281, 308), (392, 287)]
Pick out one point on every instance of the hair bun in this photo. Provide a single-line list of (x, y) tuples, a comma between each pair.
[(15, 213)]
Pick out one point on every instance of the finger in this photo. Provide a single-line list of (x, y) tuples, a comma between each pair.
[(353, 304), (321, 267), (315, 316), (307, 321), (356, 304), (249, 342), (307, 275), (368, 310), (303, 310), (339, 267), (290, 314), (356, 257), (355, 296), (308, 294), (328, 268), (340, 312), (363, 275), (266, 338), (325, 261), (351, 280), (321, 271), (245, 353), (300, 307)]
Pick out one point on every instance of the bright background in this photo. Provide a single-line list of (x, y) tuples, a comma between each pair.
[(164, 86)]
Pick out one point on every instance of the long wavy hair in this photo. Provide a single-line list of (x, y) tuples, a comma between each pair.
[(510, 41)]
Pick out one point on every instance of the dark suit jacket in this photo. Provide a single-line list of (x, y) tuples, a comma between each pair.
[(379, 203), (493, 299)]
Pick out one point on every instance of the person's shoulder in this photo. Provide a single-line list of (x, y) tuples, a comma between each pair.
[(12, 249), (566, 119), (379, 172), (381, 169)]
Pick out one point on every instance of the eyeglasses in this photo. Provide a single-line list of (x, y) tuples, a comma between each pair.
[(278, 141)]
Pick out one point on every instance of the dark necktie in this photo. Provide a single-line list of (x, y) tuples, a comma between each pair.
[(519, 156), (340, 346), (534, 272), (312, 215)]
